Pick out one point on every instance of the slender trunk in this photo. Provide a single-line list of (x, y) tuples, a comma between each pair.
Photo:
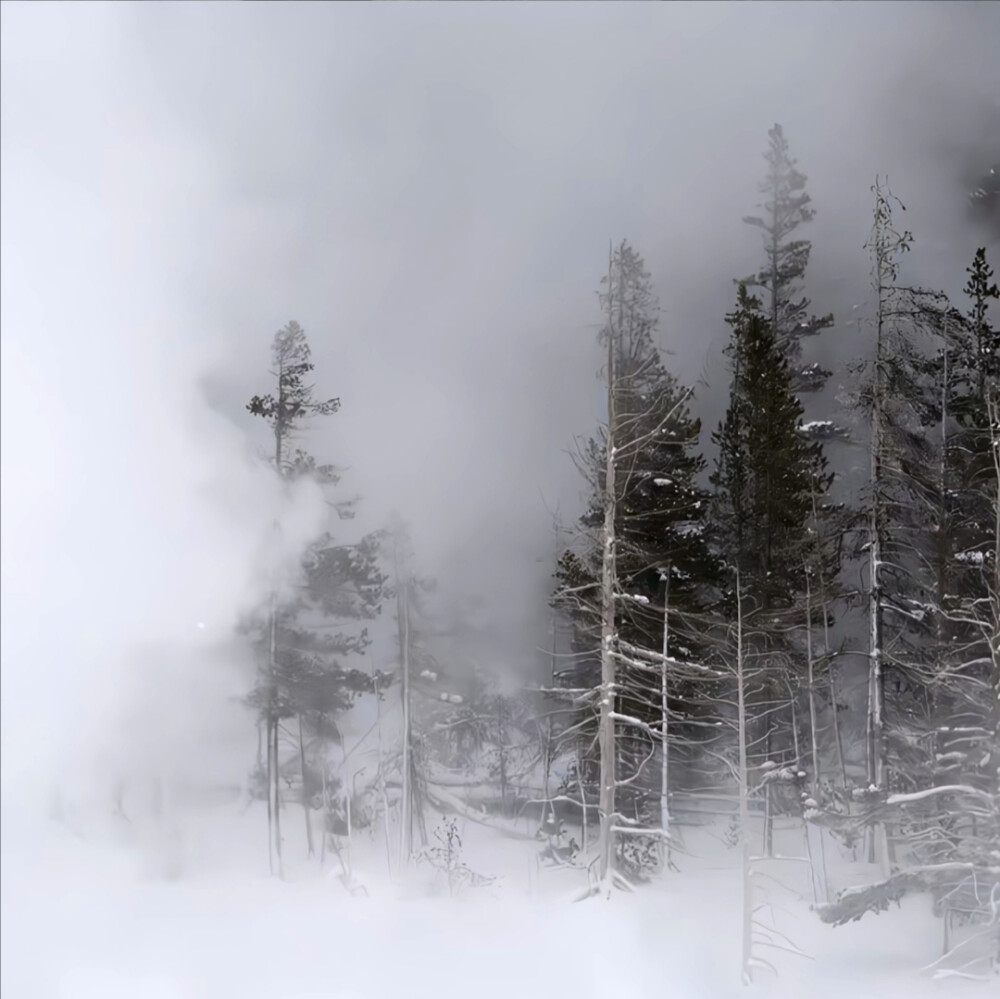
[(811, 680), (942, 555), (744, 804), (502, 749), (768, 800), (796, 748), (876, 678), (545, 735), (665, 723), (545, 730), (825, 611), (406, 803), (273, 786), (305, 793), (993, 413), (875, 721), (835, 717), (606, 733), (273, 789), (813, 743), (417, 810), (277, 798), (773, 256), (347, 814), (326, 813), (381, 774), (270, 797)]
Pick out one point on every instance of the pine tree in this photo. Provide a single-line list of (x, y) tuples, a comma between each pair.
[(305, 674), (941, 594), (903, 530), (767, 477), (787, 206), (645, 496), (962, 672)]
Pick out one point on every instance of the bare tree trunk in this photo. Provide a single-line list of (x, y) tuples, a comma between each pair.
[(796, 748), (406, 801), (606, 733), (545, 732), (875, 717), (822, 891), (824, 610), (271, 856), (419, 798), (347, 815), (992, 624), (381, 774), (273, 776), (876, 682), (326, 812), (768, 801), (744, 792), (275, 725), (665, 723), (811, 680), (269, 724), (305, 793), (273, 787), (502, 748)]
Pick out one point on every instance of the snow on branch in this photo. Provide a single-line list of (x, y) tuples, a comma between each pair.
[(902, 799)]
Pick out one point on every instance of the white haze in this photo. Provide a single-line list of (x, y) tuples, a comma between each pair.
[(430, 189)]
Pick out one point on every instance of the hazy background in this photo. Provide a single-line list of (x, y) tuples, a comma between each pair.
[(430, 190)]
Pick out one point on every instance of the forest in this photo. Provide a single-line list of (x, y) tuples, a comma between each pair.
[(764, 634), (500, 499)]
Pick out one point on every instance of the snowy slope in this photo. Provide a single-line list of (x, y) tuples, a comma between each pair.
[(95, 914)]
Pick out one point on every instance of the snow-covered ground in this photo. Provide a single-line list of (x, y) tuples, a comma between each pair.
[(100, 907)]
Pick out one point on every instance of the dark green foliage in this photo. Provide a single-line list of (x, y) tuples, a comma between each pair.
[(771, 522), (767, 470)]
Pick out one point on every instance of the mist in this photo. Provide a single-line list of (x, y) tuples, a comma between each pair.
[(431, 190)]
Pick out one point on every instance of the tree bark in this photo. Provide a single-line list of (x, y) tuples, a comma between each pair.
[(665, 723), (875, 720), (744, 803), (606, 732), (304, 792), (406, 800)]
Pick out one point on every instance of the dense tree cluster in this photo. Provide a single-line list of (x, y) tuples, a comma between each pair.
[(715, 595)]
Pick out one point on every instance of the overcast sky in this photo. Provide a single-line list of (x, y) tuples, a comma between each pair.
[(430, 190)]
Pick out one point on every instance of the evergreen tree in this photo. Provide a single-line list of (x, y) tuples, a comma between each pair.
[(767, 478), (766, 469), (786, 208), (659, 514), (961, 674), (902, 508), (941, 805), (305, 671), (931, 508)]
